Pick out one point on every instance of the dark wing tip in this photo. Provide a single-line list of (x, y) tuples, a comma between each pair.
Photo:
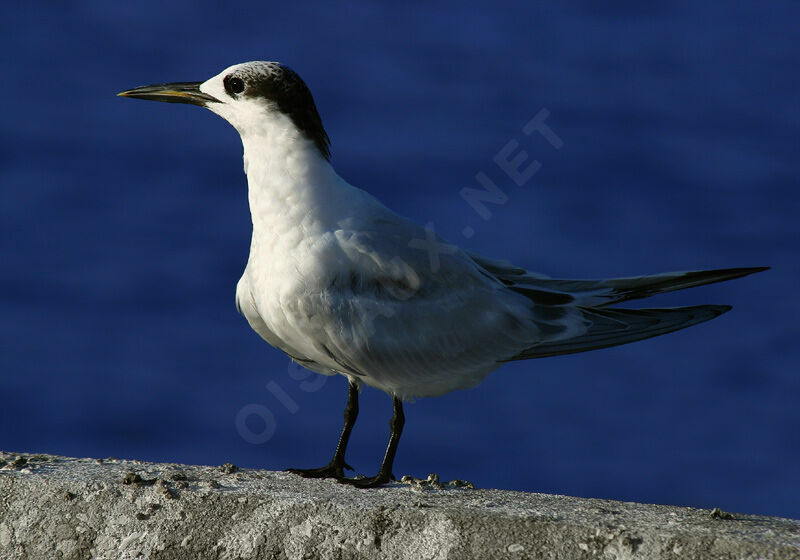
[(718, 310), (739, 272)]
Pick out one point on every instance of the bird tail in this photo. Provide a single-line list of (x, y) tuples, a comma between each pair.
[(612, 327)]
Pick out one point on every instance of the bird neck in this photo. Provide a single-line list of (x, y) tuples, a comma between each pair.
[(291, 185)]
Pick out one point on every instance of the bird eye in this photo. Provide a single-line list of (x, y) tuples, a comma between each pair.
[(234, 85)]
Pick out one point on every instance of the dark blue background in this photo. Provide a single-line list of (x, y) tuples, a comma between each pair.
[(124, 228)]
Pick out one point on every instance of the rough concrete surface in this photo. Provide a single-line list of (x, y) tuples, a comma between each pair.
[(58, 507)]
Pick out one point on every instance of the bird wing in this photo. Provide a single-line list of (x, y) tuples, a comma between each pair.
[(608, 291), (612, 327), (414, 327)]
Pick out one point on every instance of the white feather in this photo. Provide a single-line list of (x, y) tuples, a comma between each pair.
[(344, 285)]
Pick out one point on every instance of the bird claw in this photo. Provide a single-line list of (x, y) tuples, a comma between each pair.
[(367, 482), (328, 471), (337, 473)]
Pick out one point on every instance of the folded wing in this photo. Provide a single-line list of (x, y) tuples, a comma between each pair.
[(611, 326)]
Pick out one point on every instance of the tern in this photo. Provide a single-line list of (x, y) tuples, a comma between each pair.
[(343, 285)]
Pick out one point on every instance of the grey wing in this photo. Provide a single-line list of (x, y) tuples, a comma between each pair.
[(413, 331), (605, 292), (611, 326)]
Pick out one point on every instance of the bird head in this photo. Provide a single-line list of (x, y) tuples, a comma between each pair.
[(255, 97)]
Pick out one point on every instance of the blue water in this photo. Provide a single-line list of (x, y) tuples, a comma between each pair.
[(124, 228)]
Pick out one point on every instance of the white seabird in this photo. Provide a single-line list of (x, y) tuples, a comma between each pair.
[(339, 282)]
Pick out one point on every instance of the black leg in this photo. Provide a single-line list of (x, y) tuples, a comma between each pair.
[(385, 473), (335, 469)]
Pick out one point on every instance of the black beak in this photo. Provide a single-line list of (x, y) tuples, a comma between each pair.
[(178, 92)]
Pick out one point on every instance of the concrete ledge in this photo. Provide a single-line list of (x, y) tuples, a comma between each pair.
[(59, 507)]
